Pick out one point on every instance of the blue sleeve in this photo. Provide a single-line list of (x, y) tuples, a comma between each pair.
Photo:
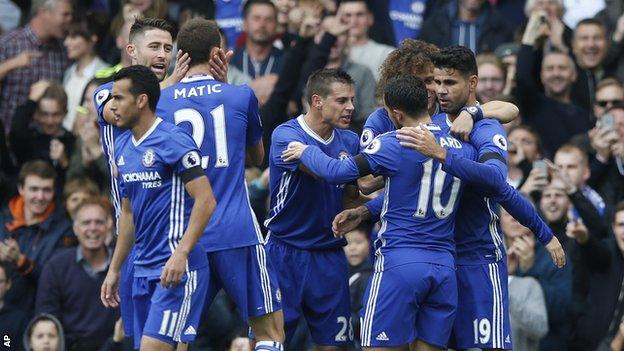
[(490, 140), (523, 211), (182, 153), (375, 206), (282, 136), (100, 97), (384, 154), (483, 175), (254, 124), (332, 170), (377, 123)]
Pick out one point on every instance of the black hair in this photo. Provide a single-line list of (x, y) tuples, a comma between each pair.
[(590, 21), (197, 37), (319, 82), (458, 58), (144, 81), (250, 3), (406, 93)]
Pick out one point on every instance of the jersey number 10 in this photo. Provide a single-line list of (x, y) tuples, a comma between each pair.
[(197, 125), (438, 184)]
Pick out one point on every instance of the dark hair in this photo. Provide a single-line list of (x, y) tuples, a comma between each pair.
[(619, 207), (89, 25), (319, 82), (143, 81), (533, 132), (406, 93), (141, 25), (458, 58), (39, 168), (94, 81), (412, 57), (80, 184), (57, 93), (42, 317), (197, 37), (362, 1), (590, 21), (98, 201), (250, 3)]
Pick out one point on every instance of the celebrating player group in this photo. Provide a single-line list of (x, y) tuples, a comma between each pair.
[(177, 150)]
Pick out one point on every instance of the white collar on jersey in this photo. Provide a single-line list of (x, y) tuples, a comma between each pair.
[(312, 133), (196, 78), (149, 131)]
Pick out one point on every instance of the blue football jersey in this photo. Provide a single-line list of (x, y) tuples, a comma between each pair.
[(420, 201), (108, 135), (478, 235), (302, 206), (224, 121), (149, 173)]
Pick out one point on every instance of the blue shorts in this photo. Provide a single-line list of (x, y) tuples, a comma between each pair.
[(248, 277), (170, 315), (409, 302), (125, 294), (315, 283), (483, 307)]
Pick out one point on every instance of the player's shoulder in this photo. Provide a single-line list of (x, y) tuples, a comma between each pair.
[(440, 119), (488, 123), (102, 93), (386, 141), (377, 119), (288, 128), (348, 134), (123, 138)]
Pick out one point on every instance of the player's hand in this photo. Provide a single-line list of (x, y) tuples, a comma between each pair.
[(576, 230), (182, 64), (556, 252), (109, 293), (293, 152), (174, 270), (462, 125), (421, 139), (219, 65), (347, 221)]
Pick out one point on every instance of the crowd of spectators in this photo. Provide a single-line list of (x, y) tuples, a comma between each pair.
[(560, 61)]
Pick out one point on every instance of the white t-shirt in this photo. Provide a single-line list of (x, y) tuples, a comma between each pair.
[(75, 84), (371, 55)]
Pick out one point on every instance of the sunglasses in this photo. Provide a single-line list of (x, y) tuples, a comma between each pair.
[(605, 103)]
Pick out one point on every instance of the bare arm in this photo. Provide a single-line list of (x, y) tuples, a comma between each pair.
[(255, 154), (369, 184), (504, 112)]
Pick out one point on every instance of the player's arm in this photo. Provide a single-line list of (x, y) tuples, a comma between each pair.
[(369, 184), (109, 293), (332, 170), (255, 146), (504, 112), (198, 187), (349, 219)]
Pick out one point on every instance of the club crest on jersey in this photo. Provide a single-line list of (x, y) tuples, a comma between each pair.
[(366, 138), (148, 158), (343, 155), (190, 160), (500, 141), (373, 147), (101, 96)]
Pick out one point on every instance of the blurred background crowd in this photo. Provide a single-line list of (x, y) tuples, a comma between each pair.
[(560, 61)]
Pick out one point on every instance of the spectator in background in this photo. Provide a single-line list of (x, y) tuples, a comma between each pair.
[(613, 19), (76, 191), (259, 61), (38, 131), (471, 23), (492, 78), (34, 229), (508, 54), (406, 17), (589, 46), (559, 35), (44, 333), (573, 163), (609, 93), (80, 43), (88, 158), (360, 271), (70, 283), (525, 147), (577, 10), (362, 50), (12, 318), (552, 113), (527, 306), (33, 53), (605, 309)]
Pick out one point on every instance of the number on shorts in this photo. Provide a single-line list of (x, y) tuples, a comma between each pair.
[(439, 210), (482, 331), (346, 327)]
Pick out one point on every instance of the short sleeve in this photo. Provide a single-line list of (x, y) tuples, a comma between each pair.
[(100, 97), (282, 136), (490, 139), (377, 123), (183, 155), (254, 123), (383, 154)]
